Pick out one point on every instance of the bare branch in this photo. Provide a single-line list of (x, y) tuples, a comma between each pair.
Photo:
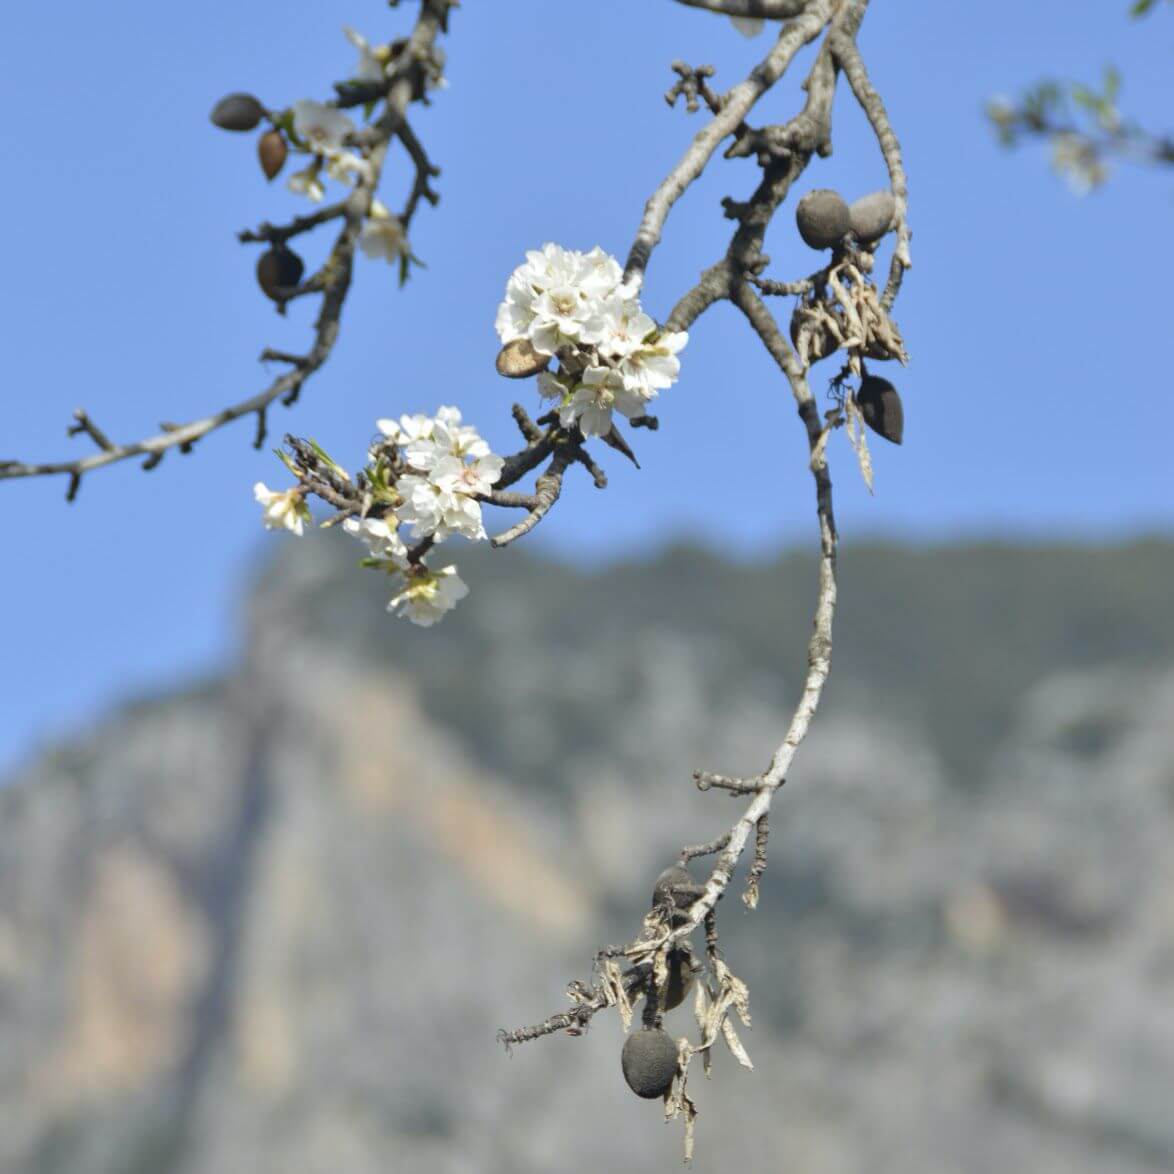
[(738, 103)]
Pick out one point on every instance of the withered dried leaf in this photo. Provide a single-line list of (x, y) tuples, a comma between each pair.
[(735, 1044)]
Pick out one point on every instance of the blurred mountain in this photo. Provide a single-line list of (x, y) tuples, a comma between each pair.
[(272, 923)]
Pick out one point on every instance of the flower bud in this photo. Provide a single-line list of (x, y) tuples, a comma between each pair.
[(872, 216), (271, 152), (649, 1061), (822, 217), (880, 405), (237, 112), (519, 360), (279, 269)]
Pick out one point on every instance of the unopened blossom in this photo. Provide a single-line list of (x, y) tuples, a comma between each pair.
[(590, 406), (306, 182), (369, 68), (284, 510), (383, 235), (381, 539), (429, 595), (322, 128)]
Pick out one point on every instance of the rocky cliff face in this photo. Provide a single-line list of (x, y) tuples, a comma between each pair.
[(273, 924)]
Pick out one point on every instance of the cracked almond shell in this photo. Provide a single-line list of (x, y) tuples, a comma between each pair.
[(237, 112), (822, 217), (519, 360), (880, 405), (649, 1061)]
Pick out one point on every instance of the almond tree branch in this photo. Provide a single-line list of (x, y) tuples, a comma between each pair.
[(738, 103), (783, 152)]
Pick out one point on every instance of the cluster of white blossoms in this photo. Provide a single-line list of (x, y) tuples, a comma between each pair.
[(613, 356), (426, 475), (448, 463)]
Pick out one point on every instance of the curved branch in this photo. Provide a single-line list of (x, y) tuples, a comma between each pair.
[(849, 60)]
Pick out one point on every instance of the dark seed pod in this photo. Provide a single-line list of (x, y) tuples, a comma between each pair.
[(237, 112), (673, 878), (822, 217), (519, 360), (820, 340), (880, 405), (271, 152), (680, 981), (649, 1060), (279, 270), (872, 216)]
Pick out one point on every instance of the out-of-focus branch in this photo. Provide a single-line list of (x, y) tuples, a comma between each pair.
[(849, 60), (770, 9)]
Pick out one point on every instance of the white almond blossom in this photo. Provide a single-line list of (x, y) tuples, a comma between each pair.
[(284, 510), (625, 327), (451, 439), (306, 182), (451, 465), (429, 595), (383, 235), (655, 365), (382, 540), (322, 128), (369, 68), (455, 476), (601, 390), (422, 507)]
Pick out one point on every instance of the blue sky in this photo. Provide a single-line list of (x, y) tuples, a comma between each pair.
[(1035, 402)]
